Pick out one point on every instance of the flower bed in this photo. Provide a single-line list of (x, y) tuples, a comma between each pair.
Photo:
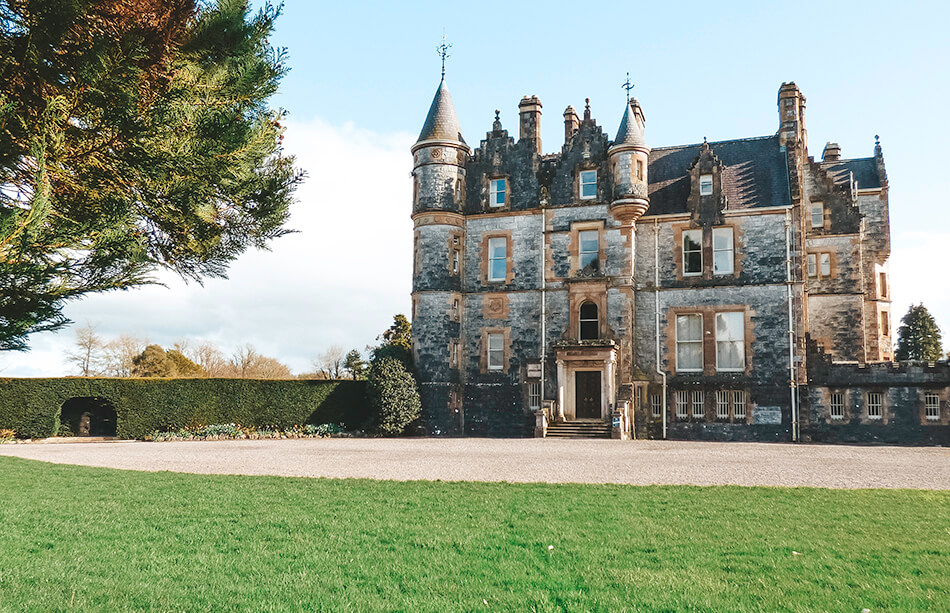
[(222, 432)]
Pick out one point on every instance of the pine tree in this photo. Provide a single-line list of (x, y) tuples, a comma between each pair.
[(134, 136), (918, 336)]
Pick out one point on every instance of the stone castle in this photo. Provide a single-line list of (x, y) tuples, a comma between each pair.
[(732, 290)]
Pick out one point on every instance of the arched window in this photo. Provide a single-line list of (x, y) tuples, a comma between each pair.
[(588, 321)]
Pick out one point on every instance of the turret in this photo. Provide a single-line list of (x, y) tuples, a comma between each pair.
[(438, 158), (628, 158)]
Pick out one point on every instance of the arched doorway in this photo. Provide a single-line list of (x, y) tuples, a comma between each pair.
[(88, 416)]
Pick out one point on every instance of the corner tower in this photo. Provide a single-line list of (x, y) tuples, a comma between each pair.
[(439, 157)]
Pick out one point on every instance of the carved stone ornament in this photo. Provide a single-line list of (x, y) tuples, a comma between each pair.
[(436, 153)]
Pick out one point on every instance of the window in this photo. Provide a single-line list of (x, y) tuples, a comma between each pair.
[(836, 408), (738, 404), (534, 396), (812, 265), (638, 398), (722, 251), (496, 351), (455, 261), (656, 405), (875, 404), (722, 404), (885, 324), (589, 249), (454, 357), (497, 193), (682, 404), (730, 341), (692, 252), (932, 406), (817, 215), (458, 190), (588, 184), (698, 401), (588, 321), (497, 259), (882, 284), (788, 101), (689, 343), (705, 185), (640, 169), (825, 261), (455, 308)]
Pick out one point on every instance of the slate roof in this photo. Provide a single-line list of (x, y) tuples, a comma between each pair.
[(755, 174), (629, 132), (864, 169), (441, 122)]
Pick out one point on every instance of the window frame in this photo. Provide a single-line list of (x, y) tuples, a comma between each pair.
[(698, 404), (681, 400), (931, 406), (739, 402), (811, 262), (737, 342), (494, 192), (492, 258), (581, 184), (724, 231), (875, 400), (836, 406), (534, 392), (656, 405), (706, 184), (581, 321), (690, 341), (723, 404), (689, 234), (582, 253), (817, 207), (500, 351), (824, 264)]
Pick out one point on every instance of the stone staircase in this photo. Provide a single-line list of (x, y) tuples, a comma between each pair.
[(579, 429)]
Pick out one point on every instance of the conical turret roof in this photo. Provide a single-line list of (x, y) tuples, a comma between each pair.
[(441, 122), (631, 130)]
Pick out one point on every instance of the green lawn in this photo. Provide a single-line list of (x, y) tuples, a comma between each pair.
[(88, 539)]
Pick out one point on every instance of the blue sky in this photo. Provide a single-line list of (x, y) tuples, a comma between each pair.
[(362, 77)]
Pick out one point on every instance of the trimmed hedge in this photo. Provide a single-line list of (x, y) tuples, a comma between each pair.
[(31, 407)]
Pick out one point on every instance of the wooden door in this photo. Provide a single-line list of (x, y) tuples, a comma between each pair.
[(587, 395)]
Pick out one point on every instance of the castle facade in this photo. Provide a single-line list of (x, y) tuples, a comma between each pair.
[(714, 290)]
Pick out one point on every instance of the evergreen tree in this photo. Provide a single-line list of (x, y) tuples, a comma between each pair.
[(133, 136), (394, 396), (397, 342), (354, 364), (153, 362), (918, 336), (183, 366)]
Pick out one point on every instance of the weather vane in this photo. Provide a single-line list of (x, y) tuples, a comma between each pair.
[(443, 51), (627, 85)]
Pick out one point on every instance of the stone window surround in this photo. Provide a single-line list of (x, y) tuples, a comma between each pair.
[(578, 294), (583, 167), (832, 265), (710, 397), (455, 241), (812, 206), (943, 414), (706, 184), (870, 395), (574, 244), (509, 273), (454, 310), (580, 183), (709, 337), (707, 251), (483, 349)]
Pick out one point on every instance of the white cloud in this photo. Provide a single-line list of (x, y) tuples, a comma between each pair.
[(339, 280)]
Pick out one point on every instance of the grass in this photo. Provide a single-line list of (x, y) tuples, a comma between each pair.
[(90, 539)]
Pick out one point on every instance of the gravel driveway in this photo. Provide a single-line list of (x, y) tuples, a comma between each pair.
[(524, 460)]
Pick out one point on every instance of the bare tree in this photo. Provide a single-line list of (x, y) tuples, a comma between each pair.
[(120, 352), (208, 356), (331, 362), (247, 363), (88, 354)]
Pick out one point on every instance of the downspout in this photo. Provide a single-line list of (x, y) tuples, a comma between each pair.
[(543, 311), (792, 383), (656, 310)]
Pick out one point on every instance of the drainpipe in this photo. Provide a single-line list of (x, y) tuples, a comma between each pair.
[(543, 311), (792, 383), (656, 310)]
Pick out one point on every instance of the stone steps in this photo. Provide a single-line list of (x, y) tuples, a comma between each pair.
[(579, 429)]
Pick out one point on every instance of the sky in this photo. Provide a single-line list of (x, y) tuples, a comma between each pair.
[(363, 75)]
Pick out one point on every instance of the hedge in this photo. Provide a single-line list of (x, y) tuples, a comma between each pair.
[(31, 407)]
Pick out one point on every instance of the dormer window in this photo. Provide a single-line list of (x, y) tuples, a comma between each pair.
[(817, 215), (705, 185), (497, 193), (588, 184)]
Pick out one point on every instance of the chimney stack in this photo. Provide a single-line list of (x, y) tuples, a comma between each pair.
[(832, 153), (530, 109), (571, 123)]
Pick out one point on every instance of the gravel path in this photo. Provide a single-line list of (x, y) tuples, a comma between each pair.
[(524, 460)]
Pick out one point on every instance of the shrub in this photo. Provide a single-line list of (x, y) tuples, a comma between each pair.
[(144, 406), (6, 435), (394, 396)]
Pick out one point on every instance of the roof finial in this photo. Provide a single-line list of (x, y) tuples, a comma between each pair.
[(586, 109), (443, 51), (627, 85)]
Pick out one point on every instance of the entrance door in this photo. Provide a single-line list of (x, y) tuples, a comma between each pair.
[(587, 395)]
